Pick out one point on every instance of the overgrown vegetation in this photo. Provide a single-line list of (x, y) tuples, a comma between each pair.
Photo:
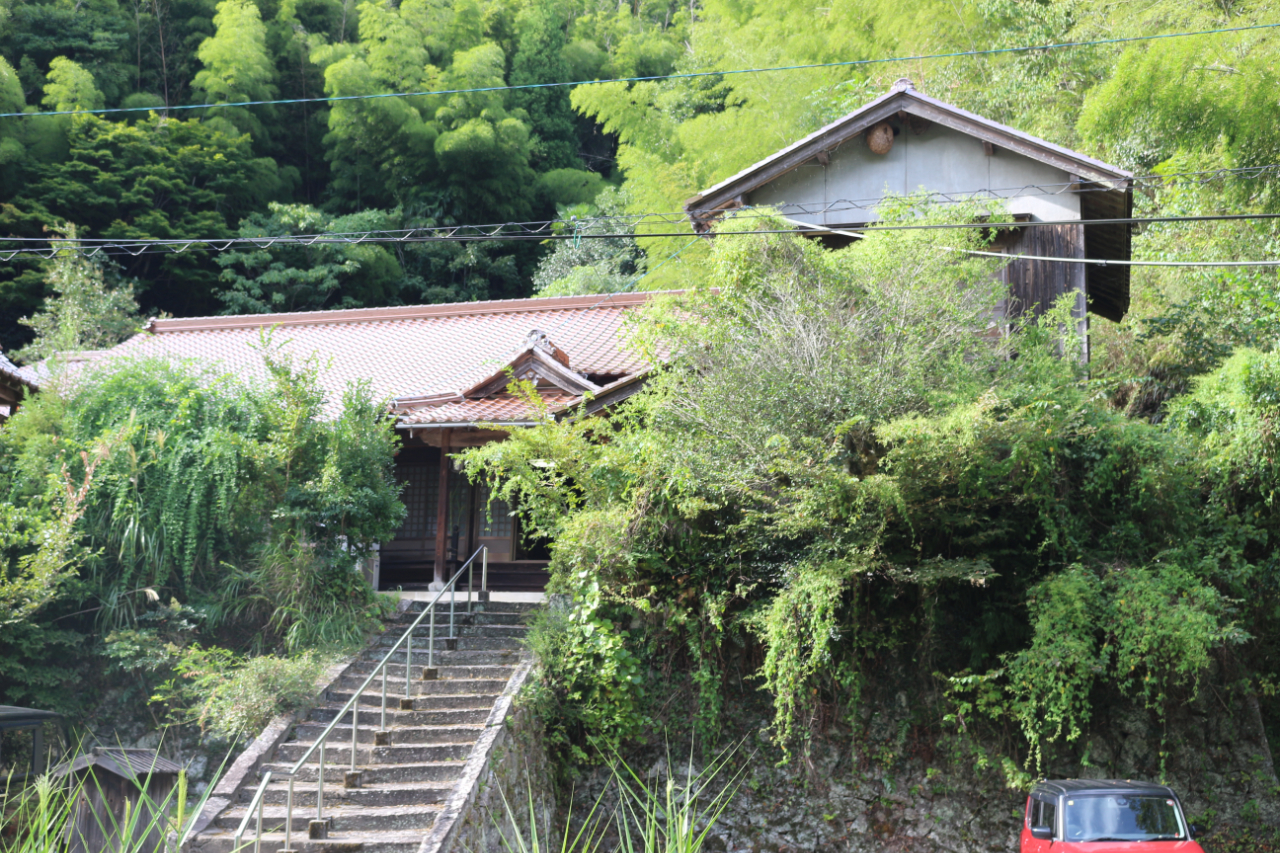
[(216, 516), (836, 469)]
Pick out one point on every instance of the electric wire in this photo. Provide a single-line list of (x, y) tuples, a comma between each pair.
[(649, 78), (551, 229), (814, 230), (632, 286), (495, 233)]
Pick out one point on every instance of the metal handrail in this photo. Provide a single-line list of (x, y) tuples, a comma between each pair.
[(254, 804), (353, 704)]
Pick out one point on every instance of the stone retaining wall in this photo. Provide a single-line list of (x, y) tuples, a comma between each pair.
[(506, 788)]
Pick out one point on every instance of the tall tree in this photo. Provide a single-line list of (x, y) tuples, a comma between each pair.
[(237, 66), (70, 87), (540, 59)]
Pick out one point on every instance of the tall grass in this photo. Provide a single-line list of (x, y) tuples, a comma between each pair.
[(53, 815), (662, 812), (675, 815)]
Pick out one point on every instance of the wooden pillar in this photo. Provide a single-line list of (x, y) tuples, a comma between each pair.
[(442, 507)]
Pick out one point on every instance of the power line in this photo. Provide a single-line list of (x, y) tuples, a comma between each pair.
[(547, 229), (97, 251), (643, 79), (522, 231)]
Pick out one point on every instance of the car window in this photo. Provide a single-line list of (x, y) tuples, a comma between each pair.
[(1123, 818), (1043, 813)]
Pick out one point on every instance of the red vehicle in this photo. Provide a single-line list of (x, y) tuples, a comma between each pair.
[(1105, 816)]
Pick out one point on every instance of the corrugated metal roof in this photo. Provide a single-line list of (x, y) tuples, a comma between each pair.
[(127, 763), (413, 351)]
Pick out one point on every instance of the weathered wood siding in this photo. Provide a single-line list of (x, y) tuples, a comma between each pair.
[(98, 825), (1035, 285)]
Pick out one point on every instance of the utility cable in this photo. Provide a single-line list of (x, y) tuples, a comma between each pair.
[(547, 229), (493, 233), (98, 251), (649, 78)]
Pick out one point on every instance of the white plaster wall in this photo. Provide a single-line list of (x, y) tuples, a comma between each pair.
[(938, 160)]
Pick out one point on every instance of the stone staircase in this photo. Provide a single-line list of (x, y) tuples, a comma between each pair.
[(403, 776)]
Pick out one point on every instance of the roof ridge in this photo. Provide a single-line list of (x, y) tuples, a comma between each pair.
[(402, 312), (905, 91)]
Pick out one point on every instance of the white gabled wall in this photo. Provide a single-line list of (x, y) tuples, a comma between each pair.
[(937, 160)]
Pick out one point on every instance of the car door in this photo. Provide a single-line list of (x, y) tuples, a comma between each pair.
[(1044, 812), (1025, 841)]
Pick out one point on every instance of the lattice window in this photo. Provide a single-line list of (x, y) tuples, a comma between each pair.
[(421, 496), (495, 518)]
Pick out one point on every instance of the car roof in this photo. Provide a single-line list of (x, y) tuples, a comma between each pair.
[(1101, 786)]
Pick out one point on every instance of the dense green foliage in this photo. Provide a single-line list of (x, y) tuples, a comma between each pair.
[(836, 471), (1170, 106), (833, 471), (247, 508)]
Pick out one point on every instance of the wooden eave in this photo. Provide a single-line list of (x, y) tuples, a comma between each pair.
[(533, 364)]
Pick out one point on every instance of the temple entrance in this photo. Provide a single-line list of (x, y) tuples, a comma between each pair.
[(470, 518)]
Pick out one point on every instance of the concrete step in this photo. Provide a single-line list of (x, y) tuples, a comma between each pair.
[(476, 644), (396, 687), (460, 617), (462, 685), (417, 687), (416, 607), (338, 842), (377, 774), (371, 702), (341, 734), (367, 662), (395, 717), (492, 630), (343, 818), (491, 617), (495, 645), (482, 671), (387, 794), (339, 756), (513, 636)]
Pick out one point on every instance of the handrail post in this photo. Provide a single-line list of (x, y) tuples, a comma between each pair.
[(288, 817), (484, 569), (257, 841), (408, 660), (385, 667), (452, 590), (431, 638), (355, 716), (254, 808), (471, 583), (320, 786)]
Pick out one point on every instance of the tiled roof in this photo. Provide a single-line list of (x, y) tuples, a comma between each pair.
[(415, 351), (13, 373), (498, 408)]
